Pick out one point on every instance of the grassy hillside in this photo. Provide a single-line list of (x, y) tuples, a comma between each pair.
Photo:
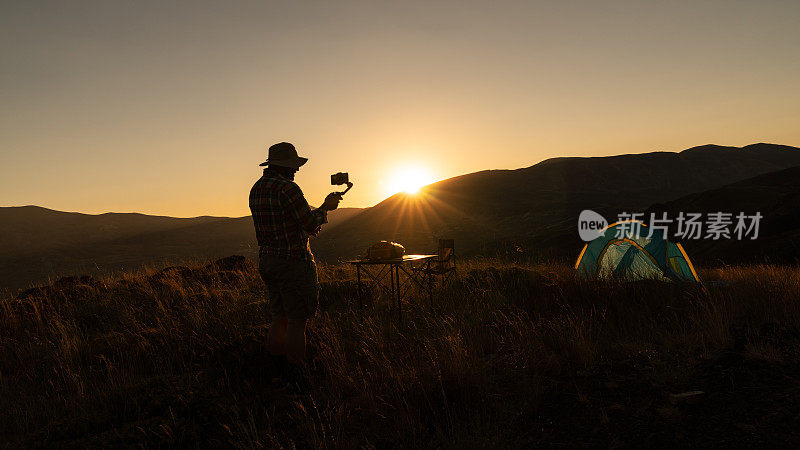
[(33, 229), (775, 195), (491, 210), (37, 243), (509, 356)]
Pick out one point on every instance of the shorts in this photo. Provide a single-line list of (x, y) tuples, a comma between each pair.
[(292, 286)]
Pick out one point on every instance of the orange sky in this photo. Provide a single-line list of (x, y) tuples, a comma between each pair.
[(169, 108)]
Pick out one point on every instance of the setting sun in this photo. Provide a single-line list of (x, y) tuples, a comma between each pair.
[(409, 179)]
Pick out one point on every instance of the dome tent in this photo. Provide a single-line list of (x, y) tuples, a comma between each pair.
[(621, 253)]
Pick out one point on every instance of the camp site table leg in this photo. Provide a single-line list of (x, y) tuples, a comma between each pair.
[(392, 290), (394, 280), (373, 278), (397, 292), (415, 278), (427, 274), (360, 297), (398, 287)]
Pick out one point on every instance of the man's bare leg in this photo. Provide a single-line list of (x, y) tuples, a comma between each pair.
[(276, 341), (296, 342)]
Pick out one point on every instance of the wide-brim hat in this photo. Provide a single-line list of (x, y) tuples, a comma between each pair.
[(285, 155)]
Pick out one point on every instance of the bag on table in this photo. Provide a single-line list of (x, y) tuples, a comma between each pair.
[(385, 250)]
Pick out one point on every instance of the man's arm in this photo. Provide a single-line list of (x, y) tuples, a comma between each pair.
[(297, 206)]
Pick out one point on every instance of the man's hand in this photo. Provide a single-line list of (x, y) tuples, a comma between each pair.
[(331, 201)]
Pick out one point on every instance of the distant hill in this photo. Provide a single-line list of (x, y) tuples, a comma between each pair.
[(28, 229), (37, 243), (527, 213), (776, 195), (524, 211)]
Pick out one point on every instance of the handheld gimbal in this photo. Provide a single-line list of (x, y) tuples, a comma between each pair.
[(339, 179)]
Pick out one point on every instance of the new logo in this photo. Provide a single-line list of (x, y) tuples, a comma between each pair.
[(590, 225)]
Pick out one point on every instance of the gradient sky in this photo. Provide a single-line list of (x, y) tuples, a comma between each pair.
[(168, 107)]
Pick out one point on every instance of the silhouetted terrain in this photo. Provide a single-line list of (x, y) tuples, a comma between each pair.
[(527, 214), (776, 195), (38, 243), (510, 356), (30, 229), (532, 212)]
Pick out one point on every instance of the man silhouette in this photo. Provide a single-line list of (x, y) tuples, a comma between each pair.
[(283, 221)]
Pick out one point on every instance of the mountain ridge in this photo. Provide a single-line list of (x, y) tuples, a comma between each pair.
[(525, 202), (32, 248), (489, 212), (774, 195)]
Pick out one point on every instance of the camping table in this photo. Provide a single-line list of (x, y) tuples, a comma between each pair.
[(415, 268)]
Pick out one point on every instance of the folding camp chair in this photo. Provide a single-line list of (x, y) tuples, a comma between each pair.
[(445, 264)]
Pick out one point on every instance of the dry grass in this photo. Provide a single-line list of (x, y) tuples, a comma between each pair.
[(509, 356)]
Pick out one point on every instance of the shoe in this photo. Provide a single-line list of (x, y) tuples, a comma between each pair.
[(277, 365)]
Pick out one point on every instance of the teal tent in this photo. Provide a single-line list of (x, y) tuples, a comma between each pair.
[(626, 252)]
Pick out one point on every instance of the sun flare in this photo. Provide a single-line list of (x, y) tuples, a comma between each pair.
[(409, 179)]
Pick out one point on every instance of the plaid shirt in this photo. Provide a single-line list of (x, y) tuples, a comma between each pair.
[(282, 217)]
